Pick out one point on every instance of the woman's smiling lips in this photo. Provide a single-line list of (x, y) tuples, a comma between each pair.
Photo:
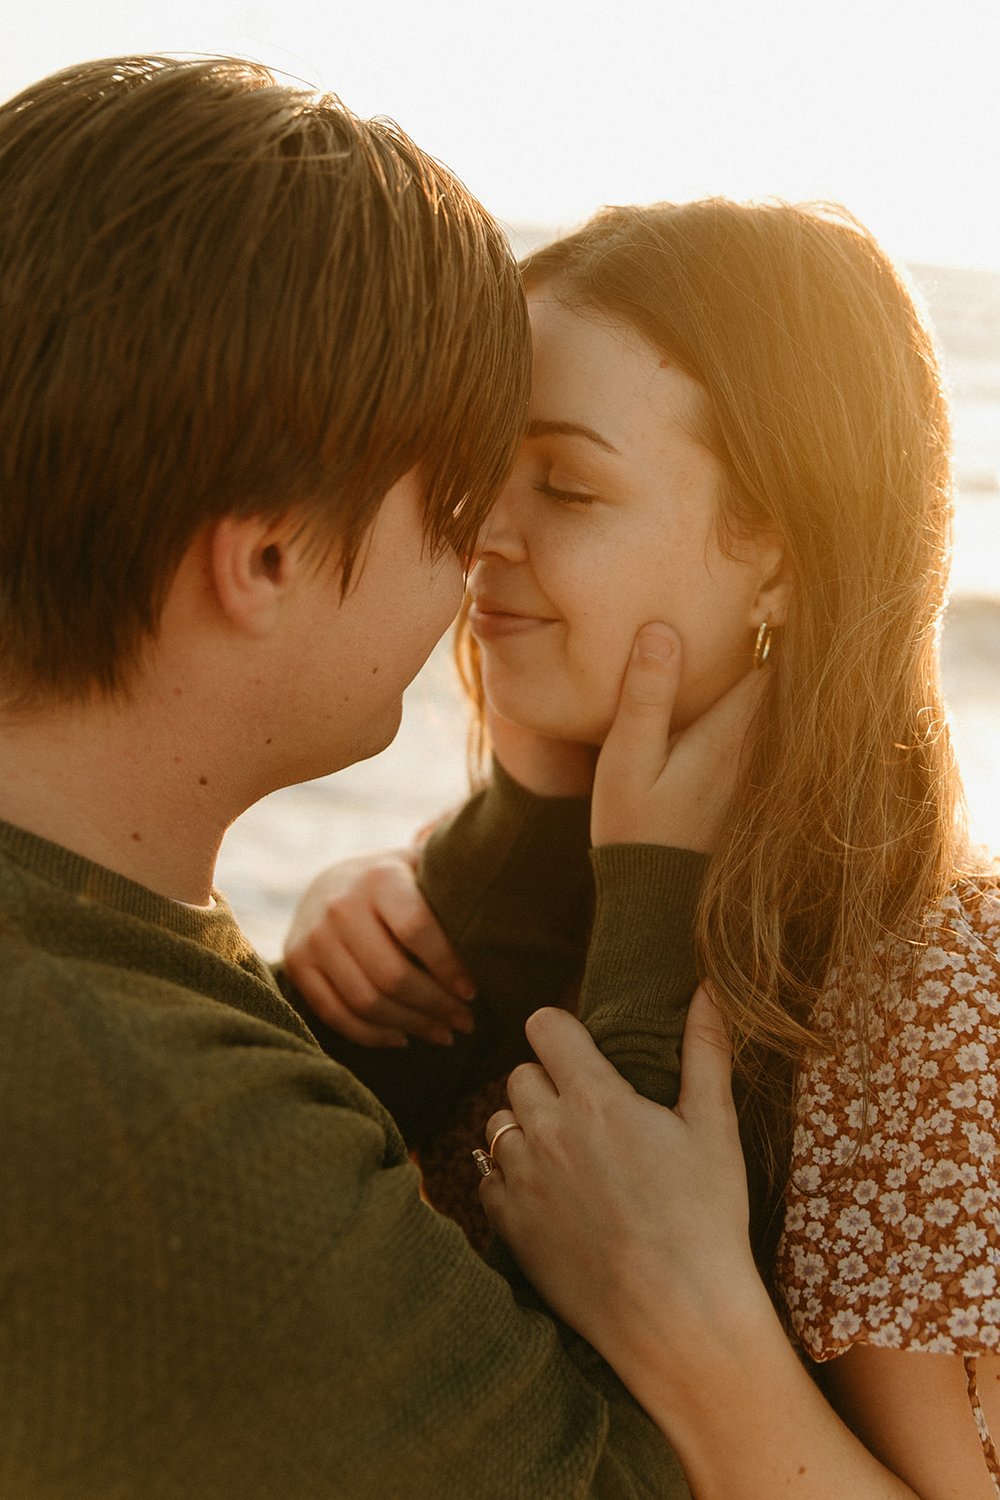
[(491, 620)]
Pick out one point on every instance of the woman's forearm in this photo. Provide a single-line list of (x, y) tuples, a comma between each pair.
[(641, 966), (741, 1411), (509, 880)]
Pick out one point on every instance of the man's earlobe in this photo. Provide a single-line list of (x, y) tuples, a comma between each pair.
[(249, 568)]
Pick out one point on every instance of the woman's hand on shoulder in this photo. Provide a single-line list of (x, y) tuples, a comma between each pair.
[(370, 957), (631, 1221), (652, 787), (601, 1188)]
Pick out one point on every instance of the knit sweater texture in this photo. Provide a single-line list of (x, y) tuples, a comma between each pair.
[(217, 1277), (515, 885)]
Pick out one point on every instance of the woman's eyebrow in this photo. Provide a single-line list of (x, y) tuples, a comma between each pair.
[(570, 429)]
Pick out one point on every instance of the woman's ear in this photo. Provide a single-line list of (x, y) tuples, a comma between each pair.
[(251, 564), (775, 588)]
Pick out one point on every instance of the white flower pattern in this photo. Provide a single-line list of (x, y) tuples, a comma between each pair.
[(896, 1241)]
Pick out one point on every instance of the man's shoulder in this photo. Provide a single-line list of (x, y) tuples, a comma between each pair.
[(145, 1041), (128, 1045), (73, 927), (107, 1071)]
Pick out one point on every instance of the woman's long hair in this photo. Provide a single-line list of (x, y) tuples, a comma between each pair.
[(831, 424)]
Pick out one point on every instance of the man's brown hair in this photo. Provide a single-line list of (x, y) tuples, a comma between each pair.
[(221, 294)]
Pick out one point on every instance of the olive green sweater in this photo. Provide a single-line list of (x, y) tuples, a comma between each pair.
[(510, 881), (217, 1278)]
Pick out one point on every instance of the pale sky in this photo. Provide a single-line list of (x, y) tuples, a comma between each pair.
[(549, 108)]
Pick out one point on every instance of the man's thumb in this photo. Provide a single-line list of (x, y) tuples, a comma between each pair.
[(637, 744), (650, 681)]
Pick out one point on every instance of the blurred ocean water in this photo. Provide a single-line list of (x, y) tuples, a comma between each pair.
[(274, 849), (965, 311)]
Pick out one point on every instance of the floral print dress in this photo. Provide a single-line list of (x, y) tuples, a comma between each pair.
[(892, 1223)]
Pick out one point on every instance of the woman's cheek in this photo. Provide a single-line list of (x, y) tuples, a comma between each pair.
[(703, 683), (602, 685)]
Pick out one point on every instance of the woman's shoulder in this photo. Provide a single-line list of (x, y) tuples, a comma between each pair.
[(939, 977), (918, 1035), (943, 992), (892, 1228), (966, 920)]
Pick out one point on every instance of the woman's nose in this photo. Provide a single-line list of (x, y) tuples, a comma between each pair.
[(502, 534)]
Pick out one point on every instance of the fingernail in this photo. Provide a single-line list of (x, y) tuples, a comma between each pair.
[(465, 989), (464, 1024), (656, 641), (441, 1037)]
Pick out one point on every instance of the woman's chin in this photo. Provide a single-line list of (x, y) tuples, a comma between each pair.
[(565, 729)]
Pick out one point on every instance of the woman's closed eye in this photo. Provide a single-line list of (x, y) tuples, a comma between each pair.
[(566, 497)]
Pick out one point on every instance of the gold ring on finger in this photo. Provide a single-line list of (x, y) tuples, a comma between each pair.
[(511, 1125)]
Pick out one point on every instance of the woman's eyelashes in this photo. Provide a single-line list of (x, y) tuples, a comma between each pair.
[(565, 497)]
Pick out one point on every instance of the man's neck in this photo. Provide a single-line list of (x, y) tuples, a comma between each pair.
[(129, 788)]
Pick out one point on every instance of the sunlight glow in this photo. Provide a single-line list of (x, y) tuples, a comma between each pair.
[(548, 108)]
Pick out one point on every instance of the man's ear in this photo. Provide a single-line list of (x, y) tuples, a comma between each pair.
[(251, 562)]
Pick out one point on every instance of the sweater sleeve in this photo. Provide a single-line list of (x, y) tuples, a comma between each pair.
[(226, 1283), (509, 880), (641, 968)]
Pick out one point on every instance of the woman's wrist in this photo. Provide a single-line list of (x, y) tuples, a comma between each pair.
[(722, 1381), (673, 1346)]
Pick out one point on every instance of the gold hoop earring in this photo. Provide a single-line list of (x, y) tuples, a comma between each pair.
[(762, 645)]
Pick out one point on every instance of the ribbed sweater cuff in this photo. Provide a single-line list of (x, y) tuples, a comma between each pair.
[(641, 970)]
